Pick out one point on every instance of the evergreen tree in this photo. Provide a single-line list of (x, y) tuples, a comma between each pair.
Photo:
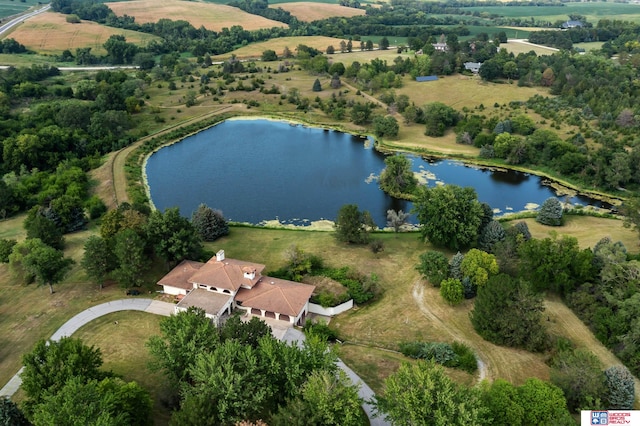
[(317, 87), (209, 223), (620, 388), (550, 212)]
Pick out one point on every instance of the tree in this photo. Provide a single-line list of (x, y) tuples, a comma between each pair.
[(455, 265), (183, 336), (172, 236), (620, 388), (395, 219), (452, 291), (335, 80), (47, 265), (450, 216), (317, 87), (434, 267), (478, 266), (543, 403), (520, 321), (578, 373), (555, 264), (110, 401), (269, 55), (119, 51), (369, 45), (343, 46), (132, 262), (385, 126), (384, 43), (421, 393), (51, 364), (10, 414), (491, 235), (6, 247), (98, 259), (325, 399), (353, 226), (209, 223), (550, 212), (631, 211), (246, 333), (228, 386), (40, 227), (397, 178), (330, 50), (438, 117), (502, 401)]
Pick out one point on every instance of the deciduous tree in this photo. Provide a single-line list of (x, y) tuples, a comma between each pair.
[(434, 267), (397, 178), (452, 291), (98, 259), (578, 373), (132, 262), (421, 393), (353, 226), (395, 219), (478, 266), (450, 215)]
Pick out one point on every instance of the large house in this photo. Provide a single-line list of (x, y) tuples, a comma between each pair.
[(222, 285)]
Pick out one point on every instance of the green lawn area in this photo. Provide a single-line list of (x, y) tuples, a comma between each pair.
[(13, 7), (593, 11)]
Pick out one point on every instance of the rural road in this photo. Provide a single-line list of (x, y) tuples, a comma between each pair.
[(290, 335), (19, 19)]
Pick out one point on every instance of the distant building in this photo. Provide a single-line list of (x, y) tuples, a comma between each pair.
[(422, 78), (474, 67), (441, 45), (572, 24)]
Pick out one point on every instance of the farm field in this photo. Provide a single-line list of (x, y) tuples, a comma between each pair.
[(308, 12), (212, 16), (521, 46), (255, 50), (593, 11), (12, 7), (50, 33)]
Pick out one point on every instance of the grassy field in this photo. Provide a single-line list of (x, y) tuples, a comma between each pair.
[(12, 7), (124, 352), (211, 16), (255, 50), (307, 12), (50, 33), (517, 47), (593, 11)]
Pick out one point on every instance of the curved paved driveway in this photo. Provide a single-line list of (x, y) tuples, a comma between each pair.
[(291, 335)]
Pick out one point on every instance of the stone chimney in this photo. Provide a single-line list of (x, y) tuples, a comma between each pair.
[(220, 255)]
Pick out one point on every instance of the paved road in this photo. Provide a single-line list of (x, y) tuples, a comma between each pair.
[(287, 334), (19, 19)]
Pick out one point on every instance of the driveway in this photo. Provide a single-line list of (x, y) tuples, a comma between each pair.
[(280, 331)]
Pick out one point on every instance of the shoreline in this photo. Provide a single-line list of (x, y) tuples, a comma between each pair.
[(559, 187)]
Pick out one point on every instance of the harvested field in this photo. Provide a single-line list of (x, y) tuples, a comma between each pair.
[(255, 50), (308, 12), (50, 33), (522, 46), (212, 16)]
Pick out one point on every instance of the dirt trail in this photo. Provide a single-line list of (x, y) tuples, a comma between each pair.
[(418, 296)]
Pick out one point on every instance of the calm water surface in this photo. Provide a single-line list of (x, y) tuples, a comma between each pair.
[(261, 170)]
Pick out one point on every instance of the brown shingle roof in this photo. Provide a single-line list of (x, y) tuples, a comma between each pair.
[(276, 295), (179, 276), (227, 274)]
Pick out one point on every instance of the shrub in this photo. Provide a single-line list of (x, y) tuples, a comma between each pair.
[(320, 329), (452, 291), (95, 207), (434, 267), (466, 358), (6, 247), (620, 388), (550, 213)]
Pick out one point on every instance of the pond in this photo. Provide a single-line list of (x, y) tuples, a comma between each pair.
[(257, 171)]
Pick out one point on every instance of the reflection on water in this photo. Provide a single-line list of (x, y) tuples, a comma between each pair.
[(260, 170)]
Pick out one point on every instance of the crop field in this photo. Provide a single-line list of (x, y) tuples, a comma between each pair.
[(519, 46), (212, 16), (308, 12), (50, 33), (12, 7), (593, 11)]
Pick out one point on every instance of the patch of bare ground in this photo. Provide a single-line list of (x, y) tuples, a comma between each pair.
[(212, 16), (307, 12)]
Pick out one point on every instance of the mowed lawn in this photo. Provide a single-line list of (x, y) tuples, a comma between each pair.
[(212, 16), (308, 12), (50, 33)]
